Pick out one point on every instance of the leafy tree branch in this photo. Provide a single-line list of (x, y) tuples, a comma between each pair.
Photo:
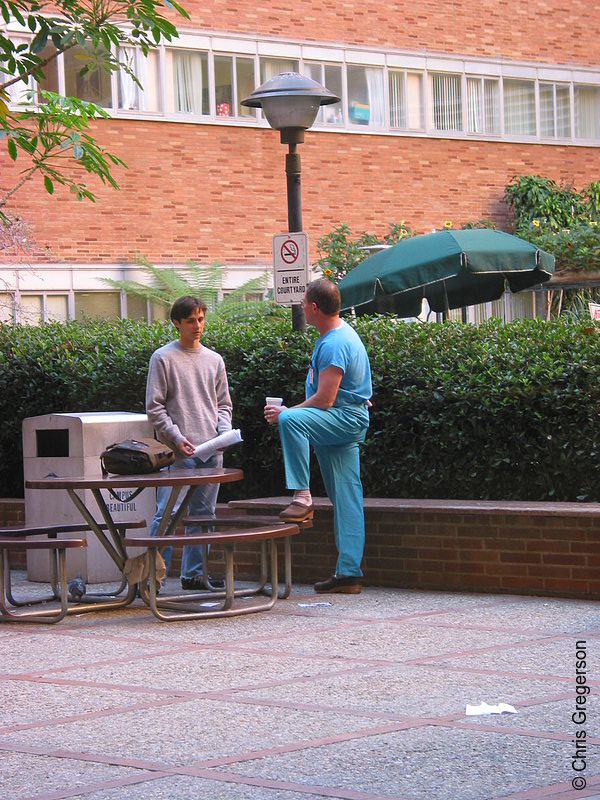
[(52, 128)]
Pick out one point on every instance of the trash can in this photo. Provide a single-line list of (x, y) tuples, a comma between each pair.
[(68, 445)]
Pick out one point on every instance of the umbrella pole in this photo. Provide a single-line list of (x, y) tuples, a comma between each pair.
[(446, 304)]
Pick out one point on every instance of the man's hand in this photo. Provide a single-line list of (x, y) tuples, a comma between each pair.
[(186, 448), (271, 413)]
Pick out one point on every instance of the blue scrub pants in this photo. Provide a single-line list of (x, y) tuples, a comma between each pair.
[(334, 434), (203, 503)]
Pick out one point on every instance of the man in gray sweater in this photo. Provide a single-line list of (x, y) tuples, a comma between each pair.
[(188, 403)]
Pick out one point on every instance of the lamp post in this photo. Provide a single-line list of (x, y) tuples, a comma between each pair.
[(290, 103)]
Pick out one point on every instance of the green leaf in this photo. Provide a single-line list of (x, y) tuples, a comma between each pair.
[(48, 185), (39, 42), (12, 149)]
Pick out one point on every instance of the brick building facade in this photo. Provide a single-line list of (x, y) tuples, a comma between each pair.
[(204, 186)]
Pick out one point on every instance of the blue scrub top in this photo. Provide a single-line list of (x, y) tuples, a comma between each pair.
[(342, 347)]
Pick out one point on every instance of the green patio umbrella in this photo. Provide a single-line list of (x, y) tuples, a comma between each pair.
[(450, 269)]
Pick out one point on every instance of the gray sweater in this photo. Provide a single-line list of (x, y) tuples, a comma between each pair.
[(187, 394)]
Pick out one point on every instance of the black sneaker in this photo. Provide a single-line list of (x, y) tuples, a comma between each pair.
[(197, 583)]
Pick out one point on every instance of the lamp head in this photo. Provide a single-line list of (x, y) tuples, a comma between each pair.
[(290, 103)]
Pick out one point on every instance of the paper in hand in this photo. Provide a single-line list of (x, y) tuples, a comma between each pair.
[(207, 449)]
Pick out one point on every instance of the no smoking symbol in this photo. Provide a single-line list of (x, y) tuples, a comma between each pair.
[(289, 251)]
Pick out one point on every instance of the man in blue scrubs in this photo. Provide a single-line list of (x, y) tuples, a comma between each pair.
[(334, 419)]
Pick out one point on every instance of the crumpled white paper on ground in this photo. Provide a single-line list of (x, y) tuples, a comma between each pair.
[(484, 708), (207, 449), (312, 605)]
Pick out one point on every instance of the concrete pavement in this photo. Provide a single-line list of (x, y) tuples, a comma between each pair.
[(357, 697)]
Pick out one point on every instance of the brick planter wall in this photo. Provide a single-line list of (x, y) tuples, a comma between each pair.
[(479, 546)]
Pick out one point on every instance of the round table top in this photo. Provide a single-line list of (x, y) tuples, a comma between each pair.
[(172, 477)]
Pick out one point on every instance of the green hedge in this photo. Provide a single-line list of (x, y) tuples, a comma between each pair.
[(496, 411)]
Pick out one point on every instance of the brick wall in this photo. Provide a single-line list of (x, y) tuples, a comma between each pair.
[(549, 31), (236, 199), (12, 512)]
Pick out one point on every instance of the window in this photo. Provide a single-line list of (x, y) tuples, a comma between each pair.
[(330, 76), (519, 107), (31, 309), (137, 307), (7, 307), (93, 86), (269, 67), (244, 81), (366, 102), (234, 80), (97, 305), (406, 99), (158, 312), (56, 308), (17, 92), (587, 112), (397, 89), (146, 68), (483, 105), (446, 102), (189, 81), (50, 82), (555, 111)]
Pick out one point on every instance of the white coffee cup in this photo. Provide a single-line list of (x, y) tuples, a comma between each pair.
[(274, 401)]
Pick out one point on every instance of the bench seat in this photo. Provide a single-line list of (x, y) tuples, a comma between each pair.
[(201, 605), (20, 611), (20, 537)]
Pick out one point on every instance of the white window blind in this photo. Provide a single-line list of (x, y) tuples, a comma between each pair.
[(483, 105), (446, 104), (397, 89), (587, 112), (555, 110), (519, 107)]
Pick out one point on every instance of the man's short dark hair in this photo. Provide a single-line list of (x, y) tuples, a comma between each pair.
[(325, 294), (183, 307)]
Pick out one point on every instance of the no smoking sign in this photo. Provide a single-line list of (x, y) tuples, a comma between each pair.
[(290, 266)]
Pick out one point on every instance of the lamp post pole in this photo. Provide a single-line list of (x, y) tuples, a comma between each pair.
[(294, 203)]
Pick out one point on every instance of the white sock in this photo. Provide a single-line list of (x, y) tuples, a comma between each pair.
[(303, 497)]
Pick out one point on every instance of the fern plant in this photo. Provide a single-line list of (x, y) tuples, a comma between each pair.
[(167, 284)]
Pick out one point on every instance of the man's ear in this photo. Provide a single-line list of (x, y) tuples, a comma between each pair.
[(177, 324)]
